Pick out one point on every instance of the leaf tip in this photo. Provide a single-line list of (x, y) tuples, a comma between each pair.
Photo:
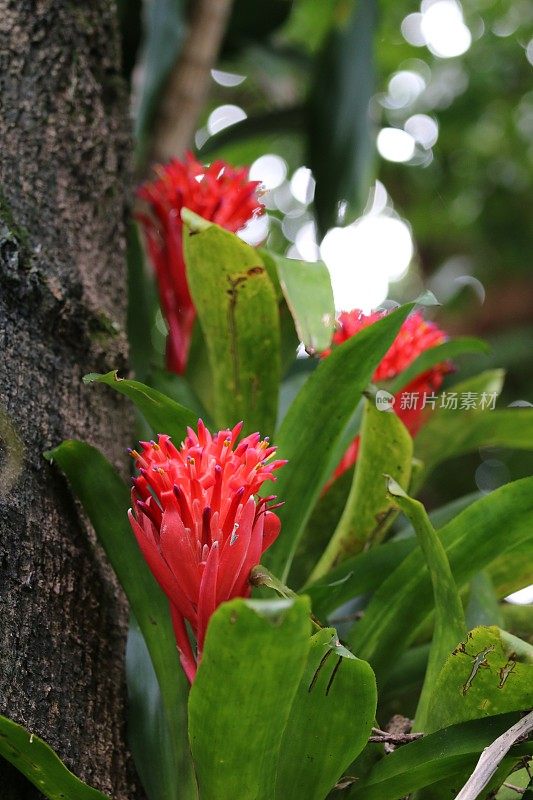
[(393, 487), (194, 222), (91, 377), (427, 298)]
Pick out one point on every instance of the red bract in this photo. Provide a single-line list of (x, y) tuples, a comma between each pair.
[(199, 524), (414, 337), (219, 193)]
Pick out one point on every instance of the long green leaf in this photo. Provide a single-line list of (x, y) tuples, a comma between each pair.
[(238, 312), (151, 744), (105, 498), (330, 720), (452, 432), (486, 674), (307, 290), (41, 765), (161, 413), (482, 607), (437, 355), (240, 701), (445, 754), (340, 141), (364, 572), (489, 527), (450, 626), (386, 448), (315, 421)]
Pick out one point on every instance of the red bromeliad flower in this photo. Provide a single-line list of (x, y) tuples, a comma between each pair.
[(199, 525), (219, 193), (414, 337)]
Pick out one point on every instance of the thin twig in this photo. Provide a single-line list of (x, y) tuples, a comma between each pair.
[(187, 86), (385, 737)]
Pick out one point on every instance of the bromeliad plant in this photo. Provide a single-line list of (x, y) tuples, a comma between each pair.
[(295, 692)]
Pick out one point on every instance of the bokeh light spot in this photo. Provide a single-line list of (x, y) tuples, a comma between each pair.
[(224, 116), (395, 144), (270, 169)]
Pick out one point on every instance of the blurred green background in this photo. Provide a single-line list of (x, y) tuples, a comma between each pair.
[(394, 141)]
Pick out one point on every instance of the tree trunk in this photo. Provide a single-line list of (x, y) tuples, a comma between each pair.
[(63, 162)]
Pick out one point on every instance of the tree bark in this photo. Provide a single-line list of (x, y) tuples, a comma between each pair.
[(63, 163)]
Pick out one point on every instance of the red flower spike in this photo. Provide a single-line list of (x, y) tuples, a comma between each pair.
[(415, 336), (199, 524), (219, 193)]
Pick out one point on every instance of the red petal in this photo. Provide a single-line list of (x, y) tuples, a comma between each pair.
[(208, 593), (271, 529)]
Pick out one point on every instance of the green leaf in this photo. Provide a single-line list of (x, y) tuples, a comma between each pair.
[(307, 290), (512, 570), (38, 762), (486, 674), (341, 147), (386, 447), (178, 388), (426, 761), (161, 413), (252, 664), (238, 313), (472, 541), (450, 626), (330, 720), (309, 24), (315, 421), (105, 498), (364, 572), (437, 355), (323, 520), (149, 738), (449, 433), (483, 607)]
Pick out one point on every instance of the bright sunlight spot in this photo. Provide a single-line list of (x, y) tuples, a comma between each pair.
[(395, 144), (271, 170), (364, 257)]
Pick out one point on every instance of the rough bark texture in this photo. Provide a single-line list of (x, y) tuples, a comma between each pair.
[(63, 158)]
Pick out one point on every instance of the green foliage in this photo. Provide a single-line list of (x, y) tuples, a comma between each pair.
[(304, 683), (335, 704), (437, 355), (105, 498), (450, 623), (238, 312), (259, 653), (274, 711), (340, 143), (162, 414), (443, 755), (386, 448), (386, 628), (153, 749), (306, 287), (486, 674), (326, 414), (34, 758)]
